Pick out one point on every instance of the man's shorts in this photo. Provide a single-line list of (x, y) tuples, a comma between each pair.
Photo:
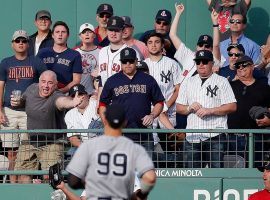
[(30, 157), (15, 120)]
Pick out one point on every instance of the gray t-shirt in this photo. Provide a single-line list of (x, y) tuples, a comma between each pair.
[(42, 113), (108, 165)]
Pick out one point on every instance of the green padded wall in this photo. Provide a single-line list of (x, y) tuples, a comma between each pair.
[(16, 14)]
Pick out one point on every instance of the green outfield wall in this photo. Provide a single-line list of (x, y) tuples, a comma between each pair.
[(19, 14), (172, 184)]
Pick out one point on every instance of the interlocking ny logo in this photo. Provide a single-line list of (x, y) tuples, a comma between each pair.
[(201, 53), (126, 52), (163, 13), (165, 77), (213, 91)]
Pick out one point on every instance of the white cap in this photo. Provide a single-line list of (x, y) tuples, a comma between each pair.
[(86, 26), (19, 33)]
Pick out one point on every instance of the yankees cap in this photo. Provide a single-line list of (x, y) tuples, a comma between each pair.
[(105, 8), (115, 115), (204, 55), (77, 88), (127, 21), (86, 26), (20, 34), (266, 166), (164, 15), (128, 54), (205, 39), (43, 13), (237, 46), (115, 23)]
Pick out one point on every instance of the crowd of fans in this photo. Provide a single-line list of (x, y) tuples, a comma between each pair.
[(160, 82)]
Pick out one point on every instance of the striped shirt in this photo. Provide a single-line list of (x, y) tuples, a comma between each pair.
[(214, 92), (167, 74)]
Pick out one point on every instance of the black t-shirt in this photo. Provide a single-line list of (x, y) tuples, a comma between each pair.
[(257, 94)]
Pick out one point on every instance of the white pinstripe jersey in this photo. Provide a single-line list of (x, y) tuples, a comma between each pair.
[(185, 57), (214, 92), (167, 74), (109, 63)]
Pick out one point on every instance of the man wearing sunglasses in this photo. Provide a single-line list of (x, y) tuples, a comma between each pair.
[(104, 12), (237, 26), (16, 73), (162, 25), (206, 99), (248, 93), (43, 37), (137, 92), (234, 52)]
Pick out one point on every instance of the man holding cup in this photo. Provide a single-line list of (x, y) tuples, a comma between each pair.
[(16, 74)]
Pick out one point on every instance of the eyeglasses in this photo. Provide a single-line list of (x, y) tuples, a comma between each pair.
[(128, 61), (207, 46), (24, 41), (234, 54), (237, 21), (238, 66), (204, 62), (162, 23), (102, 15)]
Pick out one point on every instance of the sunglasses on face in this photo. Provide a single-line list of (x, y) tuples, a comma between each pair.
[(204, 62), (237, 21), (207, 46), (246, 64), (24, 41), (162, 23), (44, 19), (234, 54), (102, 15), (128, 61)]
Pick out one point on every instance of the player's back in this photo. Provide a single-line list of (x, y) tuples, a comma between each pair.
[(111, 164)]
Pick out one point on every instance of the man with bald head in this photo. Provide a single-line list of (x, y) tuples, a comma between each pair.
[(44, 106)]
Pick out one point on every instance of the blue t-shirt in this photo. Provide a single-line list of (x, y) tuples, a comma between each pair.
[(136, 95), (19, 74), (64, 64)]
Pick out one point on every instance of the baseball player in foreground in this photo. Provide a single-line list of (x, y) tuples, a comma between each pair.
[(108, 163)]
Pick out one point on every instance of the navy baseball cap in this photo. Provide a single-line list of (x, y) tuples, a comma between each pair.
[(105, 8), (205, 39), (115, 23), (115, 115), (243, 59), (266, 166), (204, 55), (128, 54), (142, 66), (77, 88), (127, 21), (237, 46), (164, 15), (43, 13)]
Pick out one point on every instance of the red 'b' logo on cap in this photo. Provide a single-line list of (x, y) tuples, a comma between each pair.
[(105, 7), (126, 52), (163, 13), (205, 38), (114, 22)]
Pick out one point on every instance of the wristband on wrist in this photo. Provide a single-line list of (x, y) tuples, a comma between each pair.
[(215, 25)]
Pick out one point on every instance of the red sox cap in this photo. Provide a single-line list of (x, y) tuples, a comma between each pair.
[(164, 15), (115, 23), (128, 54), (105, 8)]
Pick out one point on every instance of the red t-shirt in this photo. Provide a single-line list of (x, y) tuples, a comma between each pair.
[(261, 195)]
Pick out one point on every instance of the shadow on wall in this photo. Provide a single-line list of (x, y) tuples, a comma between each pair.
[(258, 26)]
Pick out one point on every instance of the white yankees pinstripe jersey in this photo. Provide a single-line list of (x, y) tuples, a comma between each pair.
[(75, 120), (167, 74), (109, 63), (214, 92), (185, 57)]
